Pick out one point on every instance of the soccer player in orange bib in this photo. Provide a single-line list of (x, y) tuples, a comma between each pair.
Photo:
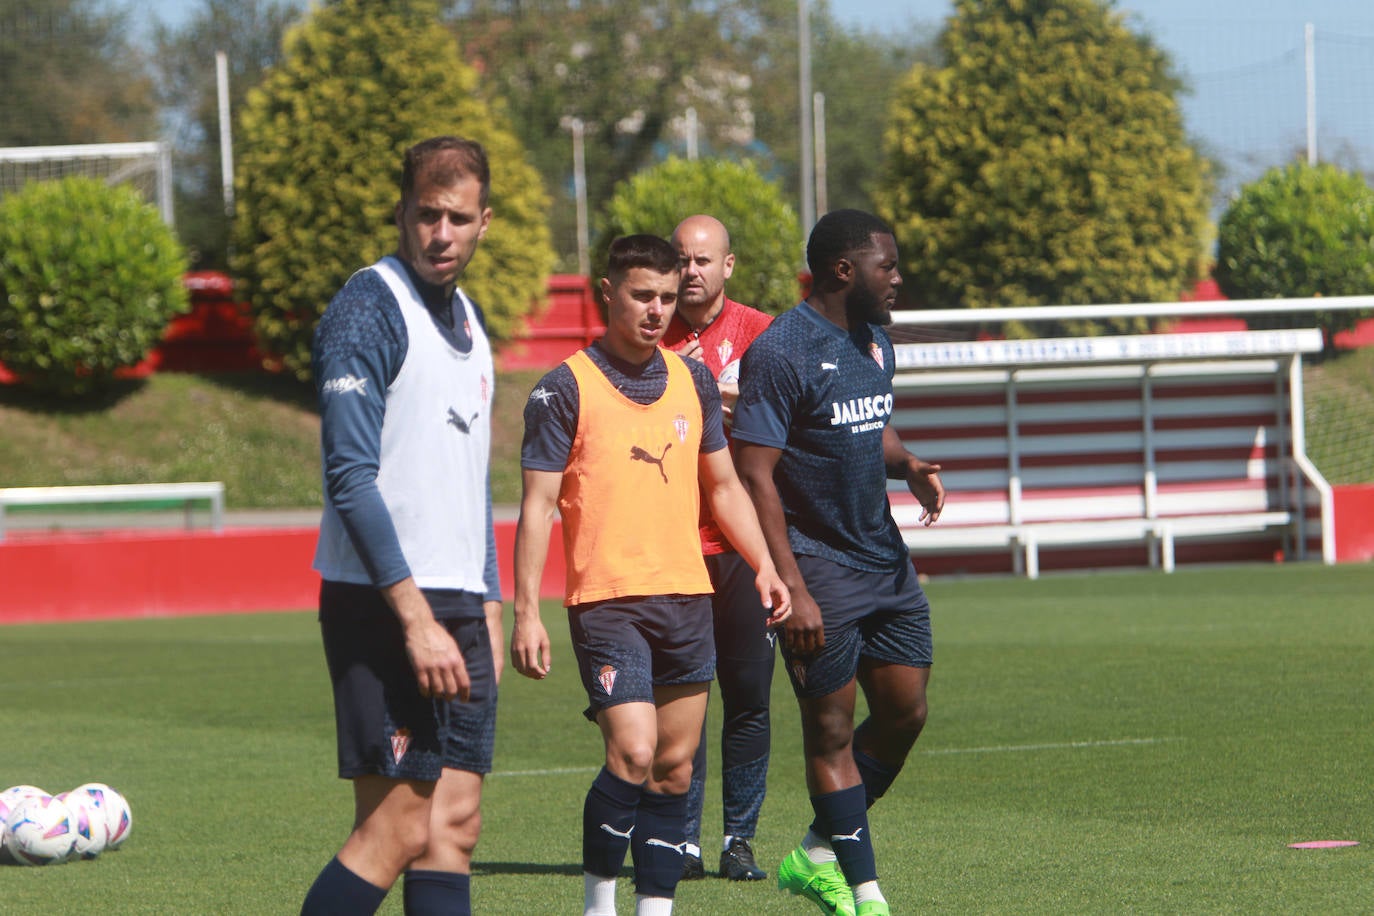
[(623, 440)]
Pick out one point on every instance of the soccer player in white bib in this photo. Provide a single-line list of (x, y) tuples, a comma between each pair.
[(410, 602)]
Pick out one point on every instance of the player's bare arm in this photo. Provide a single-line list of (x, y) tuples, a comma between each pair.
[(734, 513), (496, 634), (439, 667), (529, 640), (922, 478), (804, 630)]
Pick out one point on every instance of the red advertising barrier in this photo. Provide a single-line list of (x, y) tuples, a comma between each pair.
[(47, 577), (1354, 505)]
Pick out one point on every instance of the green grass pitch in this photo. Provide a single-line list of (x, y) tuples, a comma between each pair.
[(1111, 743)]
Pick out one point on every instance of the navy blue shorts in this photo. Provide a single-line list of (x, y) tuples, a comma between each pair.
[(385, 727), (883, 616), (626, 647)]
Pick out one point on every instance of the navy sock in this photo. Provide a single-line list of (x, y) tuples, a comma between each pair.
[(339, 892), (608, 820), (843, 815), (877, 776), (658, 843), (437, 893)]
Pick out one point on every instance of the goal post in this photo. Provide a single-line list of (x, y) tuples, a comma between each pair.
[(145, 166)]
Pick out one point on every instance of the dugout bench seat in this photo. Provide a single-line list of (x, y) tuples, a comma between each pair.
[(1111, 451)]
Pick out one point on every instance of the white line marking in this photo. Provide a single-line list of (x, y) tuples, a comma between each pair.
[(1066, 745), (998, 749)]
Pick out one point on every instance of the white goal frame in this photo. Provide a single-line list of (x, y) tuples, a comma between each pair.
[(127, 162)]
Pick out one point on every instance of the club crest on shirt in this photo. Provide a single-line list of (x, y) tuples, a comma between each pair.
[(607, 678), (877, 353), (400, 743), (681, 426), (724, 351)]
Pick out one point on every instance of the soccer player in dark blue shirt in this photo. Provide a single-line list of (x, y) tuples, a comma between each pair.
[(815, 449)]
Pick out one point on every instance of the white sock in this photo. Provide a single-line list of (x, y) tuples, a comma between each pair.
[(598, 895), (868, 891), (653, 906), (817, 848), (692, 849), (725, 844)]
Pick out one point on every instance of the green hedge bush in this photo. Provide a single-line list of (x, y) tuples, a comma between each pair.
[(89, 278), (765, 233), (1299, 231)]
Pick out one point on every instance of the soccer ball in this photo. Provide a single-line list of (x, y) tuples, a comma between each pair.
[(9, 800), (119, 819), (88, 812), (41, 831)]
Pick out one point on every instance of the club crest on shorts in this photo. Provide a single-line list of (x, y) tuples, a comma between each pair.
[(799, 672), (400, 743), (681, 426), (607, 678), (877, 353)]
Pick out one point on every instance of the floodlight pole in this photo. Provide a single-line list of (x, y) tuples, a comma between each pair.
[(808, 167), (578, 128), (1310, 53), (822, 198), (226, 146)]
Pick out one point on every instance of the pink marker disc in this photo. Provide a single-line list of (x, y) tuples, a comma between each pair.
[(1323, 844)]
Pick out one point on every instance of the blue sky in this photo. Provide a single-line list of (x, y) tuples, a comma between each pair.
[(1243, 58)]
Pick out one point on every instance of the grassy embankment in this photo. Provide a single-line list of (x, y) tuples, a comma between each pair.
[(259, 434)]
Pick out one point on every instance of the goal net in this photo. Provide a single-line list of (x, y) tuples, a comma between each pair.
[(145, 166)]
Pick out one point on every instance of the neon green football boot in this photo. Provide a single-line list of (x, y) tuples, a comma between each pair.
[(874, 908), (822, 884)]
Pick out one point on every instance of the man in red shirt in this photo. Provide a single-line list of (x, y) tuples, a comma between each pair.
[(715, 330)]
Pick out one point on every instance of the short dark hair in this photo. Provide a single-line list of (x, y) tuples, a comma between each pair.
[(841, 233), (444, 160), (643, 250)]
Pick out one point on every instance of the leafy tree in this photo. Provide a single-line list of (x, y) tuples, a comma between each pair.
[(1299, 231), (249, 32), (1045, 163), (857, 72), (319, 150), (630, 71), (89, 278), (764, 233), (71, 75)]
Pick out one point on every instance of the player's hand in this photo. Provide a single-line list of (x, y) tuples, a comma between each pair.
[(691, 349), (775, 597), (923, 480), (804, 631), (729, 394), (437, 662), (529, 649)]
